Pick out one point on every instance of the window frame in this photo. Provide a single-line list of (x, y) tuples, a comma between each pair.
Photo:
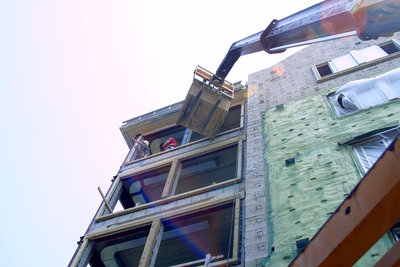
[(113, 195), (376, 136), (322, 78), (364, 139), (151, 247)]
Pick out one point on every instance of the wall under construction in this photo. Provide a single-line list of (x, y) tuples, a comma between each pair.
[(310, 173), (291, 80)]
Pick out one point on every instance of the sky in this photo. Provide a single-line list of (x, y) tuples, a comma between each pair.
[(70, 73)]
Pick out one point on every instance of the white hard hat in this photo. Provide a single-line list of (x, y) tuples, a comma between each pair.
[(146, 142)]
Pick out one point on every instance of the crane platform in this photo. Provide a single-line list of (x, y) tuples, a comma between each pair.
[(206, 104)]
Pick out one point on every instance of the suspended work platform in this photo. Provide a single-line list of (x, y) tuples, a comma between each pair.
[(206, 104)]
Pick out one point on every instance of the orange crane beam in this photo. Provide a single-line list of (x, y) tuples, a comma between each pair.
[(365, 215)]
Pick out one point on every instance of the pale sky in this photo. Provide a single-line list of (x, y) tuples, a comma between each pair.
[(70, 73)]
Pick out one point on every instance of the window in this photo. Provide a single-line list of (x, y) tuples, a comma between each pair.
[(370, 150), (356, 59), (365, 93), (204, 236), (211, 168), (144, 187), (188, 239), (124, 249), (192, 173)]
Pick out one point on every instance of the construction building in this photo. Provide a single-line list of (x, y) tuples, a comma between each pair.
[(298, 138)]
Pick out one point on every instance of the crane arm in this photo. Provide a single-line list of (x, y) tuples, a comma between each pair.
[(331, 19)]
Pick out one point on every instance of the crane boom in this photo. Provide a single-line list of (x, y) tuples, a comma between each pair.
[(210, 96), (331, 19)]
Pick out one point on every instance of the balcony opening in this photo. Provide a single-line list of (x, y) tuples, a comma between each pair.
[(324, 70), (123, 249), (390, 48), (188, 239), (143, 187), (211, 168)]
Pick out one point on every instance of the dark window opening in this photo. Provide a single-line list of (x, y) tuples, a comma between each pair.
[(123, 249), (144, 187), (192, 237), (324, 70), (232, 120), (355, 58), (208, 169), (390, 48)]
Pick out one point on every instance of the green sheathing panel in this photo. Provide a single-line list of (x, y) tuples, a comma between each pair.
[(303, 195)]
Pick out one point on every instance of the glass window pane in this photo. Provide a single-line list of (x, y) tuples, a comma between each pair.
[(192, 237), (370, 151), (124, 249), (342, 63), (144, 187), (371, 53), (208, 169)]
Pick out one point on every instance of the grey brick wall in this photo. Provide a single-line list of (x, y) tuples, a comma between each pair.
[(289, 80)]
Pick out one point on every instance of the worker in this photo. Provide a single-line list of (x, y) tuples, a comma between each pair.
[(146, 148), (170, 143)]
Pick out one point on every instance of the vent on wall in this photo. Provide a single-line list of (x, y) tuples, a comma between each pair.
[(301, 244), (290, 161), (279, 107)]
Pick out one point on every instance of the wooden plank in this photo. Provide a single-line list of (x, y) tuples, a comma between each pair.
[(365, 215), (391, 258), (207, 75), (316, 72), (172, 177), (358, 67), (235, 247), (109, 194), (203, 73), (149, 246), (104, 200)]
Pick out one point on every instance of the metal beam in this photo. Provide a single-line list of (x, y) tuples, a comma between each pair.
[(365, 215)]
